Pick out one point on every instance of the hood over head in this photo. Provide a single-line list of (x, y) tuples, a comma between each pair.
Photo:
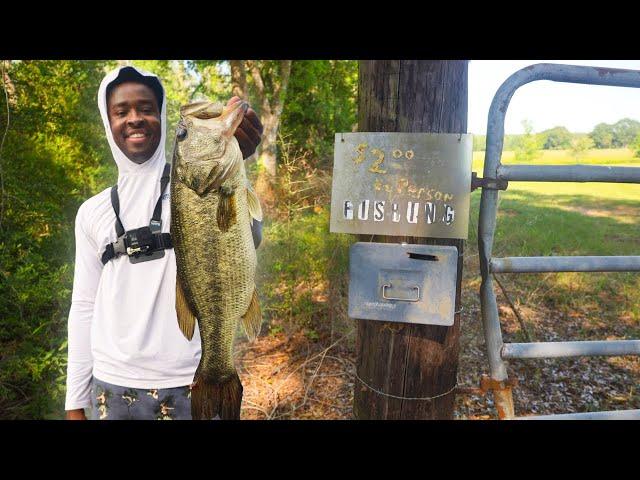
[(138, 184), (125, 165)]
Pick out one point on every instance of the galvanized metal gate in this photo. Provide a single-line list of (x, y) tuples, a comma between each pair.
[(496, 177)]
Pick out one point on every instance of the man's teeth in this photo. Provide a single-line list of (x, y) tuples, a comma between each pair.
[(137, 135)]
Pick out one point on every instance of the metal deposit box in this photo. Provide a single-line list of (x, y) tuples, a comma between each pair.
[(403, 282)]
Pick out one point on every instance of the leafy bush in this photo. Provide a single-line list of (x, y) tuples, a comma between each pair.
[(302, 267), (54, 157), (528, 146)]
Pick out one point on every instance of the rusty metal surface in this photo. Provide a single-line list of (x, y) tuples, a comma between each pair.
[(387, 284), (502, 395), (402, 184)]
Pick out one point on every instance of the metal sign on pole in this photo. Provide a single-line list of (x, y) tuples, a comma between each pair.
[(409, 184), (414, 184), (404, 183)]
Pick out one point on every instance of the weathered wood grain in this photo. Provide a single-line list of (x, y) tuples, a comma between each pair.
[(402, 359)]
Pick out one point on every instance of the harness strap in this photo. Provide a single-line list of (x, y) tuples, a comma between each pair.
[(108, 254), (164, 181), (115, 203), (161, 240)]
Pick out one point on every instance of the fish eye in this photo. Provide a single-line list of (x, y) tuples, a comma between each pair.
[(181, 133)]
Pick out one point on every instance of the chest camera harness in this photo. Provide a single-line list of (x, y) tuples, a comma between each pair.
[(140, 244)]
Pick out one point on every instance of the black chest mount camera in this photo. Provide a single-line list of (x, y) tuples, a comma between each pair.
[(140, 244)]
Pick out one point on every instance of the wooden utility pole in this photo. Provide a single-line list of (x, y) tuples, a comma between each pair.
[(399, 359)]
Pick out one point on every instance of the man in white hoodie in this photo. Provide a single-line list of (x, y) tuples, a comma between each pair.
[(127, 357)]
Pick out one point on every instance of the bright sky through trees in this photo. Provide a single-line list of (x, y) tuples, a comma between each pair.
[(549, 104)]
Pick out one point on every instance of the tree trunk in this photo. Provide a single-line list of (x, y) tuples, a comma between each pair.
[(271, 111), (238, 79), (269, 144), (398, 359)]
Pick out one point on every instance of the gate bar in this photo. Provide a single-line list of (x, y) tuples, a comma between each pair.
[(569, 173), (565, 264), (609, 348), (610, 415), (489, 198)]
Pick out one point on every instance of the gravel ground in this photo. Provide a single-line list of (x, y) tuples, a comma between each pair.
[(294, 377)]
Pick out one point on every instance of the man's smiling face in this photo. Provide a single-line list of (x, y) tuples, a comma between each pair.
[(134, 117)]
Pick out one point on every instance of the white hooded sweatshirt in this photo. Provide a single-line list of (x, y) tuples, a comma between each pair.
[(122, 324)]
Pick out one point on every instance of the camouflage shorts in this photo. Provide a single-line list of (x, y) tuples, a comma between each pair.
[(112, 402)]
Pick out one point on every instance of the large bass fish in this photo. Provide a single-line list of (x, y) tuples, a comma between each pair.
[(212, 206)]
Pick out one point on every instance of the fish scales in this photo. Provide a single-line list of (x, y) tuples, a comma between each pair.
[(215, 254), (210, 272)]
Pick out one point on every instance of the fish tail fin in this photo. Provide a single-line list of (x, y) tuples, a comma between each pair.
[(186, 318), (226, 214), (210, 400), (252, 319)]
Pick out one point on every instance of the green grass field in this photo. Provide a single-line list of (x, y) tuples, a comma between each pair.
[(571, 219), (615, 156)]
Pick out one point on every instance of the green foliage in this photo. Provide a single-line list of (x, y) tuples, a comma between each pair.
[(580, 146), (303, 274), (54, 157), (625, 132), (303, 267), (602, 135), (213, 79), (620, 134), (528, 146), (557, 138), (321, 101), (479, 143), (636, 146)]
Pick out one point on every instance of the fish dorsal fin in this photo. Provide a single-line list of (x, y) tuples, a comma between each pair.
[(186, 318), (252, 319), (254, 203)]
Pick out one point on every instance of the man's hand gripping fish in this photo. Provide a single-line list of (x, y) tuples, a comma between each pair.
[(212, 206)]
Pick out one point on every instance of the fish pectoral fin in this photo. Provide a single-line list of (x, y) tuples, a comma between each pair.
[(254, 203), (186, 318), (252, 319), (226, 214)]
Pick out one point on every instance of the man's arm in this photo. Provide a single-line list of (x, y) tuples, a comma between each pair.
[(88, 269)]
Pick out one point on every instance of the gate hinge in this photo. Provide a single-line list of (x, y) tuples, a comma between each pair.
[(488, 183), (487, 384)]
